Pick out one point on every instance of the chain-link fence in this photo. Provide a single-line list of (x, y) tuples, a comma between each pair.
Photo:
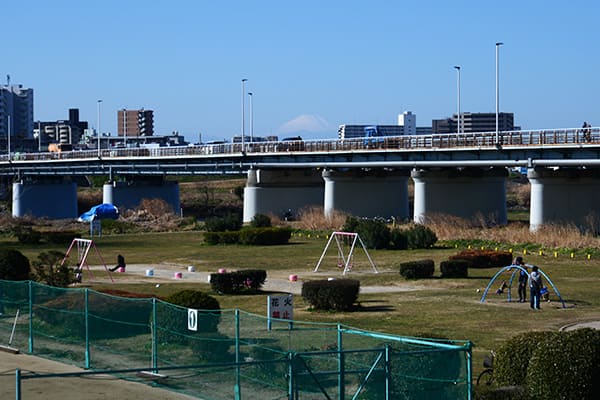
[(231, 354)]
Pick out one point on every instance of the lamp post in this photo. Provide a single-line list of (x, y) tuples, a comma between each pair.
[(99, 131), (498, 44), (251, 118), (457, 67), (243, 112)]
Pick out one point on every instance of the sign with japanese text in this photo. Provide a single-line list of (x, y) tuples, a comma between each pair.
[(280, 307)]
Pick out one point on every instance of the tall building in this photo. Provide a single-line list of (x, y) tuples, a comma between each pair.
[(135, 122), (63, 131), (475, 122), (16, 102), (409, 121)]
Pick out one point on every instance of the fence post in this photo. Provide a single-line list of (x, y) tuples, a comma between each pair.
[(30, 317), (87, 328), (18, 384), (237, 390), (341, 372), (469, 371), (290, 359), (388, 374), (154, 344)]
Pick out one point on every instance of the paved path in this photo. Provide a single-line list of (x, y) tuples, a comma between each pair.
[(278, 282)]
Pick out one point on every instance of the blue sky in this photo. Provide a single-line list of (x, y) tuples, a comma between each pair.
[(312, 65)]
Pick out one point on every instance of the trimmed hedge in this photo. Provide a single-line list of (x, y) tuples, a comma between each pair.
[(512, 358), (337, 294), (374, 234), (484, 258), (454, 269), (14, 266), (227, 237), (417, 269), (231, 222), (398, 240), (238, 281), (420, 237), (209, 316), (260, 221), (566, 367)]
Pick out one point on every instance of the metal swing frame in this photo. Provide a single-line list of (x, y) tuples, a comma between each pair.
[(83, 250), (346, 259)]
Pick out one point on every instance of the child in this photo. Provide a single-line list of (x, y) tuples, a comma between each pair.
[(501, 288), (545, 294)]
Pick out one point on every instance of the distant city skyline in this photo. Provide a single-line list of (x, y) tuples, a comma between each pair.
[(310, 66)]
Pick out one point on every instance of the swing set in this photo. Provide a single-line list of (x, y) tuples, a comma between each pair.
[(346, 244), (83, 250)]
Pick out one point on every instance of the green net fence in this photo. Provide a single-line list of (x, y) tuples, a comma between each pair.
[(232, 354)]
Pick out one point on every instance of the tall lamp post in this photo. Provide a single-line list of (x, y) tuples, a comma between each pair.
[(457, 67), (498, 44), (243, 112), (99, 131), (251, 118)]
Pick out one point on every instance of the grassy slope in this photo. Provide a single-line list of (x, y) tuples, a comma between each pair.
[(446, 308)]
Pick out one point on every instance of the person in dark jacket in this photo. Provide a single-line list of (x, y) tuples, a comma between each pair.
[(120, 263), (523, 276), (535, 286)]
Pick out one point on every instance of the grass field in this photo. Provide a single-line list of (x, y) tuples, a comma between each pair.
[(447, 308)]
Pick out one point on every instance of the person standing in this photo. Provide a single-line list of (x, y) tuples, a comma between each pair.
[(535, 285), (523, 276)]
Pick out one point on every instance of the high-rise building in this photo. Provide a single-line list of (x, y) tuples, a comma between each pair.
[(135, 122), (475, 122), (16, 102)]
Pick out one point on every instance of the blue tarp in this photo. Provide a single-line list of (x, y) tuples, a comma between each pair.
[(101, 211)]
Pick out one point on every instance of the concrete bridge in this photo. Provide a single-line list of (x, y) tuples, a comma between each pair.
[(456, 174)]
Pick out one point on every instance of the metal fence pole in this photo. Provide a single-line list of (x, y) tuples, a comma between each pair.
[(469, 371), (18, 384), (87, 328), (238, 394), (341, 372), (290, 375), (154, 344), (30, 317), (388, 374)]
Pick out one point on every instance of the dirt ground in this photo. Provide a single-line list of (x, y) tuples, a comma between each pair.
[(96, 387)]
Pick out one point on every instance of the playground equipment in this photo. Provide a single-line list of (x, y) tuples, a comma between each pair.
[(514, 269), (83, 250), (343, 241)]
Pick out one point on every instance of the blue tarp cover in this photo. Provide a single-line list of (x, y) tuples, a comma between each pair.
[(101, 211)]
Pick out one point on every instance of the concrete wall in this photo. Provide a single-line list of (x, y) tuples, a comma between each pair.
[(129, 195), (466, 193), (45, 199), (367, 193), (277, 191)]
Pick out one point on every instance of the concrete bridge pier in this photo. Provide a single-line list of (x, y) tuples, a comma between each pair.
[(45, 197), (277, 191), (566, 195), (129, 194), (467, 193), (367, 193)]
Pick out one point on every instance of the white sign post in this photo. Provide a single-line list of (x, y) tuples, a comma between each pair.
[(280, 307), (192, 319)]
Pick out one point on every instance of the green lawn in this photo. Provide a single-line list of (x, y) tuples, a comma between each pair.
[(445, 308)]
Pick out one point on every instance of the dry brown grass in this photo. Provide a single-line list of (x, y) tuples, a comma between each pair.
[(314, 218), (549, 236)]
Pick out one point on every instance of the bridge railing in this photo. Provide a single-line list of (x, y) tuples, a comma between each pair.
[(545, 137)]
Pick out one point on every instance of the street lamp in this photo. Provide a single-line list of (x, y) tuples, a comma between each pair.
[(498, 44), (243, 112), (251, 119), (457, 67), (99, 131)]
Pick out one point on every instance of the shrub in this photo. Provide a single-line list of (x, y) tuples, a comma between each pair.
[(454, 269), (420, 237), (265, 236), (238, 281), (212, 347), (227, 237), (26, 235), (260, 221), (338, 294), (209, 314), (231, 222), (14, 266), (484, 258), (417, 269), (48, 269), (398, 240), (351, 225), (512, 358), (566, 367)]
